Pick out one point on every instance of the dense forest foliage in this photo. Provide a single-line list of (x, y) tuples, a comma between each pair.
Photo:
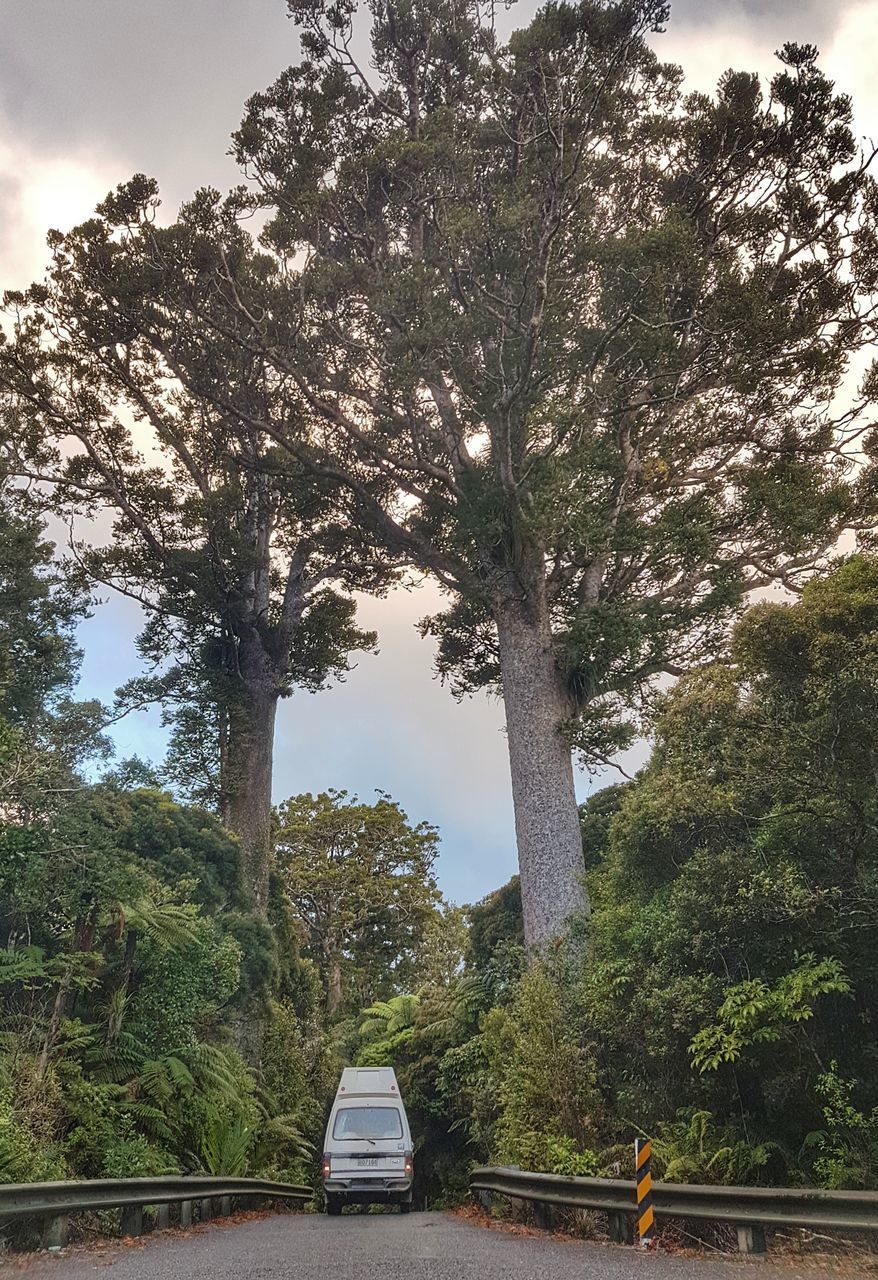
[(528, 319), (721, 996)]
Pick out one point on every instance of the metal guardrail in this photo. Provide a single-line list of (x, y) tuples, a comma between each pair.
[(750, 1209), (53, 1202)]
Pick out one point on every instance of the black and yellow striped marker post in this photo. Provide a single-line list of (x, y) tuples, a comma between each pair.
[(642, 1163)]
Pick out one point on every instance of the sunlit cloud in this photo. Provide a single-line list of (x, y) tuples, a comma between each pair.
[(39, 192), (851, 59)]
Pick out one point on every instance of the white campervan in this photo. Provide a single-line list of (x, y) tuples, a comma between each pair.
[(367, 1154)]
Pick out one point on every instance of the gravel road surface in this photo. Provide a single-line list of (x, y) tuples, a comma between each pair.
[(420, 1246)]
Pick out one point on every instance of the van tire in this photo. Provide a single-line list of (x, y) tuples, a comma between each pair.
[(405, 1206), (333, 1206)]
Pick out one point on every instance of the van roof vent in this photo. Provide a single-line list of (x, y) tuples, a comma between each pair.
[(368, 1082)]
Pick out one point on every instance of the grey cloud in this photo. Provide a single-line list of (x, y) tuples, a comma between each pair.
[(22, 253), (802, 21), (157, 85), (10, 196)]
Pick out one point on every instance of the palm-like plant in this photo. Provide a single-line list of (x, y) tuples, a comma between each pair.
[(172, 925), (279, 1140), (387, 1027), (225, 1145), (694, 1148), (389, 1017), (231, 1144)]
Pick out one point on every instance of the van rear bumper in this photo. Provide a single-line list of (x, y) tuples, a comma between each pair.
[(369, 1190)]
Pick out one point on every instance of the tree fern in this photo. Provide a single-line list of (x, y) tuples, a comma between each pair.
[(151, 1120), (22, 964), (387, 1017), (225, 1145), (172, 925)]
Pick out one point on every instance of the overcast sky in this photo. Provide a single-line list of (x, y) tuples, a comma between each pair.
[(92, 91)]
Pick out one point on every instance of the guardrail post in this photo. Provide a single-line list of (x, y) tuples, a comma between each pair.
[(185, 1213), (132, 1220), (751, 1238), (486, 1200), (206, 1211), (226, 1206), (55, 1231), (620, 1226), (162, 1217), (544, 1215)]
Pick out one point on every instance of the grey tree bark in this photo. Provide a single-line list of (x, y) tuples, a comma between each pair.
[(333, 984), (246, 787), (245, 784), (546, 814)]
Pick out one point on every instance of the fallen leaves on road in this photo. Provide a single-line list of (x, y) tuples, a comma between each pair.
[(851, 1267), (102, 1249)]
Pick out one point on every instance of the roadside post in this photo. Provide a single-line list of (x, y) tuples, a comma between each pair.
[(643, 1173)]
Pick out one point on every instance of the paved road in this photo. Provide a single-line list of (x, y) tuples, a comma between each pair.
[(421, 1246)]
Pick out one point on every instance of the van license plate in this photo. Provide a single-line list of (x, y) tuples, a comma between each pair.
[(368, 1162)]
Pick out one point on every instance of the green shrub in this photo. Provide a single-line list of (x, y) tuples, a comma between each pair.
[(544, 1078), (563, 1158), (128, 1154), (847, 1146), (693, 1148), (25, 1154)]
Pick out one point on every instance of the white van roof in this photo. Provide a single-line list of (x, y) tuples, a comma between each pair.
[(368, 1082)]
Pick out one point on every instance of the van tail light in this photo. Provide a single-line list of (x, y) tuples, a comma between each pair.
[(327, 1164), (408, 1164)]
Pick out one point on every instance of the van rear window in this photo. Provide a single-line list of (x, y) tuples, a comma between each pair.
[(367, 1122)]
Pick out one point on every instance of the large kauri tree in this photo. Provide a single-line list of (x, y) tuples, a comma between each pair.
[(584, 329), (243, 562), (589, 328)]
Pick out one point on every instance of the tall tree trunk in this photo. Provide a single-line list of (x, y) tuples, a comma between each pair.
[(334, 990), (247, 785), (246, 805), (546, 814)]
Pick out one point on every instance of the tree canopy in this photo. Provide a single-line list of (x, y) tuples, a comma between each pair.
[(242, 563), (568, 337), (737, 917), (360, 879)]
